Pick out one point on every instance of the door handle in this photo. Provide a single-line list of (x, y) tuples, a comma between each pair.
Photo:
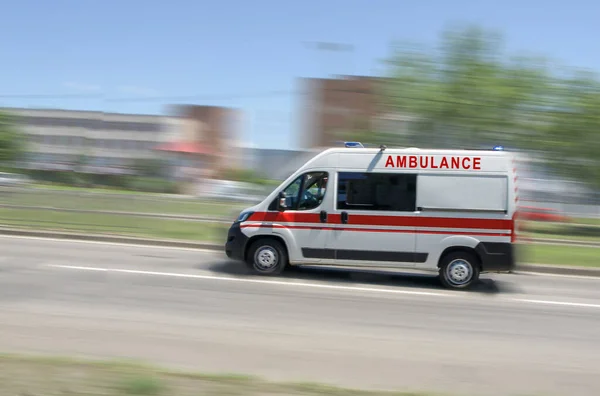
[(323, 216), (344, 217)]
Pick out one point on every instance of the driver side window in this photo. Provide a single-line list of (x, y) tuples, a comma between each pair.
[(313, 191), (306, 192)]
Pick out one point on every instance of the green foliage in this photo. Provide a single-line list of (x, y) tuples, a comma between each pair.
[(12, 143), (120, 182), (151, 167), (142, 385), (152, 184), (468, 93)]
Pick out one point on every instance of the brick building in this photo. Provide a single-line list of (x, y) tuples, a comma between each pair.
[(334, 109), (209, 135)]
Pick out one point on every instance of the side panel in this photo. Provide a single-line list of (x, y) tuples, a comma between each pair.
[(371, 221)]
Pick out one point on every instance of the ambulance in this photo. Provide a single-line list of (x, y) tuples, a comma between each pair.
[(449, 213)]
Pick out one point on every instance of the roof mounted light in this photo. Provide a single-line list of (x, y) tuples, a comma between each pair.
[(353, 145), (498, 148)]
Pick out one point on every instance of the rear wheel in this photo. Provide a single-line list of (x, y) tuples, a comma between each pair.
[(459, 270), (267, 257)]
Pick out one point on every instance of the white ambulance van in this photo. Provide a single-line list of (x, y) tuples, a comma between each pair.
[(445, 212)]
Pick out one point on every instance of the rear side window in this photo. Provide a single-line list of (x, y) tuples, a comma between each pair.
[(376, 192)]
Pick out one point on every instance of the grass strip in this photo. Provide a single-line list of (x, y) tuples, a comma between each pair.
[(124, 203), (48, 376), (560, 255), (113, 224)]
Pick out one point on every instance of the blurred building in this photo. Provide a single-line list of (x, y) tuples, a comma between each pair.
[(198, 140), (100, 142), (336, 109), (213, 133), (333, 106)]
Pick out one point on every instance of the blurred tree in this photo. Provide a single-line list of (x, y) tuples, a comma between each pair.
[(469, 94), (12, 142), (464, 94), (573, 137)]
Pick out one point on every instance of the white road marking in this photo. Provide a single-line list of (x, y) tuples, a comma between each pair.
[(310, 285), (563, 303), (263, 281)]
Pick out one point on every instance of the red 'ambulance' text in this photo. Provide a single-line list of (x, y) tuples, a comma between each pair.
[(430, 162)]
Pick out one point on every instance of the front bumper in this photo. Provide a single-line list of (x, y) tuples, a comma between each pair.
[(235, 247)]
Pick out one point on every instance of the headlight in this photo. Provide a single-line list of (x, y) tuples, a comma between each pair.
[(243, 217)]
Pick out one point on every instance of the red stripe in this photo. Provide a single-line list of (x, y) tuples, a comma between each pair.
[(374, 220), (507, 234), (513, 230)]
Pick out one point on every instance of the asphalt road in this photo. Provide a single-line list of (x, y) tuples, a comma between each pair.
[(514, 334)]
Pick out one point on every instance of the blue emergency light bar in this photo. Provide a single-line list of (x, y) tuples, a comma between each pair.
[(353, 145), (498, 148)]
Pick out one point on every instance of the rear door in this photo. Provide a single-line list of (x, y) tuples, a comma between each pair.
[(460, 209)]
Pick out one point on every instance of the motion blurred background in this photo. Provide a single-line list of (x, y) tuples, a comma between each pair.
[(163, 121)]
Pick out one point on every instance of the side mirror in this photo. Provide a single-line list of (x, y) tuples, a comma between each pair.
[(281, 202)]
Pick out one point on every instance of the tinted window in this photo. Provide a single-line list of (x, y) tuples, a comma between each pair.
[(376, 191)]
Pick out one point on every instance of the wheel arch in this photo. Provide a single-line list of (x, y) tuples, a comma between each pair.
[(460, 249), (256, 238)]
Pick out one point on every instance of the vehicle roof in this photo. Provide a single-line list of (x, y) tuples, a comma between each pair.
[(414, 150)]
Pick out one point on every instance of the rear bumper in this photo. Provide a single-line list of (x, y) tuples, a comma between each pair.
[(496, 256), (235, 247)]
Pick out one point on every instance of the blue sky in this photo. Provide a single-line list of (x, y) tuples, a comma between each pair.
[(140, 56)]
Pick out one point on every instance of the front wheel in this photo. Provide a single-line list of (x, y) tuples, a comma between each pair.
[(459, 270), (267, 257)]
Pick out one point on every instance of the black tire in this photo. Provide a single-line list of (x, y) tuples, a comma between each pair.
[(459, 270), (267, 257)]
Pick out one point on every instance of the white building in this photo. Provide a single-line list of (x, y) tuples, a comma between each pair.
[(109, 142)]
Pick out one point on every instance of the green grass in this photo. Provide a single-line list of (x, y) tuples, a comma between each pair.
[(583, 220), (582, 232), (142, 385), (34, 376), (55, 187), (119, 203), (113, 224), (560, 255)]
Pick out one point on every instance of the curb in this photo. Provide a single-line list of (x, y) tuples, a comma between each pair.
[(557, 270), (521, 268)]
